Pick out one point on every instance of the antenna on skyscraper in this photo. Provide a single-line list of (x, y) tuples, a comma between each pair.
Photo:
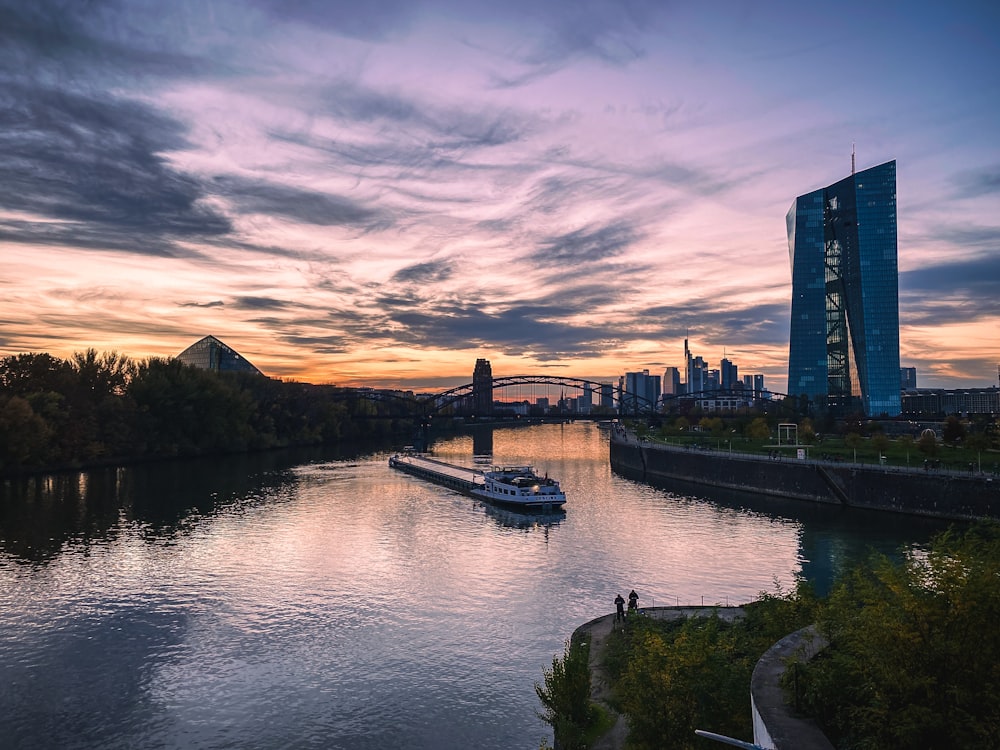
[(852, 159)]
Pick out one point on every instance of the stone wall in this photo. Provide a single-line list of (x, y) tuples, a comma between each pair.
[(914, 491)]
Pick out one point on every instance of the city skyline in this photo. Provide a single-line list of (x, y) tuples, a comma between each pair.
[(381, 195)]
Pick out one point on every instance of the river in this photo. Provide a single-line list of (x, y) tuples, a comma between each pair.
[(310, 601)]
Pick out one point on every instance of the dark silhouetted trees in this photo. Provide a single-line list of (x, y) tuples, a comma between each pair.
[(96, 408)]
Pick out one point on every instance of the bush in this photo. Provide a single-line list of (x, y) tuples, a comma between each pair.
[(674, 676), (565, 696), (914, 655)]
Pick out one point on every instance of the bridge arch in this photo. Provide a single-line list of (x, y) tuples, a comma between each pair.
[(625, 404), (443, 400)]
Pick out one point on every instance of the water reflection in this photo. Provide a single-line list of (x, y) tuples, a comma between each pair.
[(526, 521), (319, 601), (40, 515), (831, 537), (482, 442)]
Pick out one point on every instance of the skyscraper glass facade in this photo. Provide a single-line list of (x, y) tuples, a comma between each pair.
[(844, 337), (211, 354)]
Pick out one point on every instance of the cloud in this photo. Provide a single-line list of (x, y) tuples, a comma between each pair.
[(962, 277), (261, 303), (585, 246), (299, 204), (952, 293), (425, 273), (556, 34), (414, 130), (972, 184), (96, 163), (74, 41), (372, 20)]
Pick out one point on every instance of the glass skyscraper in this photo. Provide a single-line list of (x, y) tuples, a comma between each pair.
[(844, 339)]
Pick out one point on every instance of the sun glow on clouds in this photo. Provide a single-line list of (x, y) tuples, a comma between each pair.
[(382, 196)]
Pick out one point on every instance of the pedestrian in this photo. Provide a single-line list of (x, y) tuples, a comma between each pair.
[(633, 602), (619, 608)]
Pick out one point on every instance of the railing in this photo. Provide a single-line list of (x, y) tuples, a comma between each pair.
[(674, 601), (976, 471)]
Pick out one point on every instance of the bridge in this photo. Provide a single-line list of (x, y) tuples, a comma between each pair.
[(468, 400)]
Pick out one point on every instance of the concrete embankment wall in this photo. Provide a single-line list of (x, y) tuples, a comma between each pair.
[(776, 725), (940, 494)]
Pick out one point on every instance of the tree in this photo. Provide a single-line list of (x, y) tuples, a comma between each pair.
[(953, 431), (23, 434), (673, 677), (807, 434), (565, 695), (758, 429), (978, 441), (914, 655), (928, 443), (880, 442), (713, 425)]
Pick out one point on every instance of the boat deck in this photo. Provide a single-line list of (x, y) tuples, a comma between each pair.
[(471, 482), (457, 477)]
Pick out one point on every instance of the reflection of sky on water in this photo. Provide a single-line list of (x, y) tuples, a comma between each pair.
[(339, 604)]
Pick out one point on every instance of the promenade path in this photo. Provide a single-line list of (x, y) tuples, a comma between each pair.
[(599, 631)]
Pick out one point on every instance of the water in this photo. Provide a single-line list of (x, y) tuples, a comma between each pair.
[(283, 602)]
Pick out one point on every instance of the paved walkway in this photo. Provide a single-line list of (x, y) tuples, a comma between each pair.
[(599, 631)]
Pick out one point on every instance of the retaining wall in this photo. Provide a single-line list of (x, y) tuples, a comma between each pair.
[(914, 491)]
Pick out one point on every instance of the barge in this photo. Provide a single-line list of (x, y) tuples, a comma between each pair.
[(517, 487)]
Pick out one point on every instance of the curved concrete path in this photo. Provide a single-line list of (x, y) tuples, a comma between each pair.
[(598, 631)]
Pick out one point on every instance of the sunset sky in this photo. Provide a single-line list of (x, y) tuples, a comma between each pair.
[(380, 192)]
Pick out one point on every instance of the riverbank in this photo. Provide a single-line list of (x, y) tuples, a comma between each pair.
[(939, 494)]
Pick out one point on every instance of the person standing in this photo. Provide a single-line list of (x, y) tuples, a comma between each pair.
[(633, 602), (619, 608)]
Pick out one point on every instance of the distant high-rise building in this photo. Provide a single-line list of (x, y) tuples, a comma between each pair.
[(482, 387), (844, 338), (608, 395), (211, 354), (641, 392), (695, 371), (758, 385), (671, 381), (696, 375), (728, 374), (586, 400), (908, 378), (713, 380)]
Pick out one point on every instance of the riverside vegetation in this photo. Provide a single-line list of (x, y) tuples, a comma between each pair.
[(94, 409), (973, 442), (913, 660)]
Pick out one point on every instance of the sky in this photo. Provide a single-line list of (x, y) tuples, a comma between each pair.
[(380, 193)]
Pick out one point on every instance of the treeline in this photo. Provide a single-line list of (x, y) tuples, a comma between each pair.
[(96, 408)]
